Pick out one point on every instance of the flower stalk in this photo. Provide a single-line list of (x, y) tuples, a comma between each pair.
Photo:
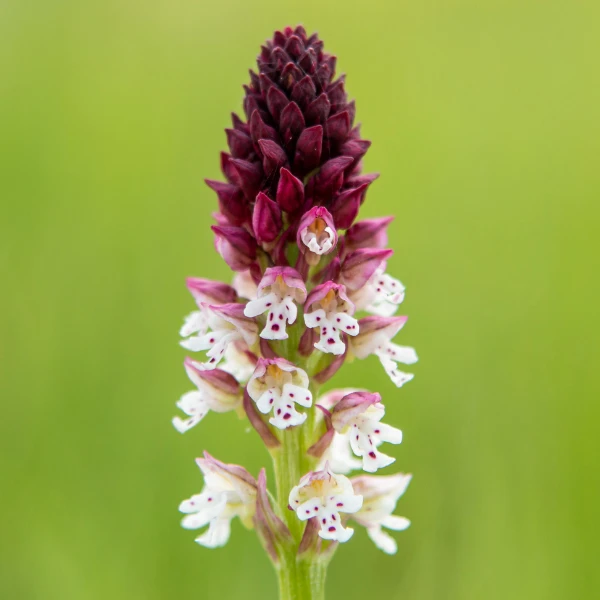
[(311, 291)]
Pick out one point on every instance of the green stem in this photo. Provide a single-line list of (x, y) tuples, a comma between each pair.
[(301, 579)]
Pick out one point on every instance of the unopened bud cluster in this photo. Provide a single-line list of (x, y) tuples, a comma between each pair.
[(310, 292)]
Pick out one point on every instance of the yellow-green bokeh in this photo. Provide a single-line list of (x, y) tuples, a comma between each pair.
[(485, 126)]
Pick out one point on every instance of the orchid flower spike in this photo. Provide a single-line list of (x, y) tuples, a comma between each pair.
[(324, 495), (229, 491), (277, 386), (358, 415), (225, 324), (217, 391), (328, 308), (317, 234), (380, 496), (278, 293), (375, 338)]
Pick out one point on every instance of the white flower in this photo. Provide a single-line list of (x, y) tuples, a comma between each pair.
[(358, 415), (317, 234), (225, 324), (229, 491), (381, 295), (279, 291), (244, 285), (339, 455), (374, 338), (331, 312), (324, 495), (193, 323), (276, 386), (217, 391), (381, 495), (238, 361)]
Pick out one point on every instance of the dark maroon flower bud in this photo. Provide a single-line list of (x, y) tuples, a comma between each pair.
[(266, 219), (239, 143), (291, 123), (346, 205), (273, 157), (330, 178), (338, 126), (250, 176), (290, 191), (308, 149), (259, 130)]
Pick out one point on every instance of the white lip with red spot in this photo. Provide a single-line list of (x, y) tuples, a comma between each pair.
[(358, 416), (332, 316), (276, 386), (339, 455), (279, 291), (366, 433), (323, 495)]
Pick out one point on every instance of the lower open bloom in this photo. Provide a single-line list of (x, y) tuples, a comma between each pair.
[(324, 495), (217, 391), (229, 491), (358, 415), (277, 386), (381, 495)]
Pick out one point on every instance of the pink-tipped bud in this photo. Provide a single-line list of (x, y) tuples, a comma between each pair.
[(212, 292), (359, 266), (350, 406), (371, 233), (235, 245)]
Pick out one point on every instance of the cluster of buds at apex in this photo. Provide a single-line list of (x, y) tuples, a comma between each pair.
[(278, 293), (323, 495), (317, 234), (229, 491), (358, 416), (380, 496), (375, 337), (329, 309), (223, 325), (216, 390), (276, 386)]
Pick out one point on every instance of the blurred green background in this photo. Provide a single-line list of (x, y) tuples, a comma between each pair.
[(484, 118)]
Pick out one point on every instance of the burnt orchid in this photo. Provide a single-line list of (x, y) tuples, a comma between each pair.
[(311, 291)]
